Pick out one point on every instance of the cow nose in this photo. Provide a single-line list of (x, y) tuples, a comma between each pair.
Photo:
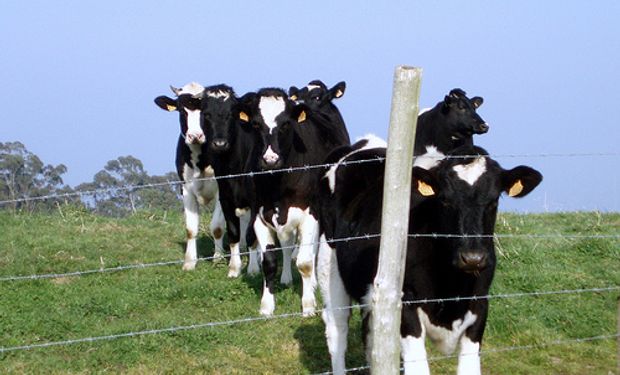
[(195, 138), (472, 261), (483, 128), (220, 143), (270, 157)]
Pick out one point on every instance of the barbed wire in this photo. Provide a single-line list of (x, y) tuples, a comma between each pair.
[(280, 316), (345, 239), (286, 170)]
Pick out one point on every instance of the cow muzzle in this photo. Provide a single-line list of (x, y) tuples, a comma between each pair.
[(195, 138), (481, 128), (220, 144), (471, 261)]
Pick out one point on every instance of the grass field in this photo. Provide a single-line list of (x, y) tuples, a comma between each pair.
[(41, 311)]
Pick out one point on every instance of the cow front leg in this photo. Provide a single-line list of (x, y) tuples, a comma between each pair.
[(216, 227), (469, 357), (192, 218), (413, 350), (336, 302), (270, 266), (309, 236)]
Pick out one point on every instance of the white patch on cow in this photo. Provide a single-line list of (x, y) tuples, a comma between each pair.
[(469, 357), (335, 298), (270, 156), (373, 142), (270, 107), (414, 357), (192, 88), (471, 172), (446, 339), (312, 87), (219, 94), (267, 302), (429, 159), (366, 312), (194, 131), (239, 212), (424, 110), (234, 266)]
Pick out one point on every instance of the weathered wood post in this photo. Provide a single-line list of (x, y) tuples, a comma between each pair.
[(386, 299)]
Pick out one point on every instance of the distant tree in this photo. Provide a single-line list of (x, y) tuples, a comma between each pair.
[(118, 189), (24, 175)]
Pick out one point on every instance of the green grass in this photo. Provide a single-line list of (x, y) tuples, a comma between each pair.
[(66, 308)]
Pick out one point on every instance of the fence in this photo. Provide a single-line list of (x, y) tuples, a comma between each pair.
[(24, 278)]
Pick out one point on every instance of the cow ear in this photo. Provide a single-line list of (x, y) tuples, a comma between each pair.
[(300, 113), (423, 182), (166, 103), (338, 90), (520, 181), (293, 93), (476, 101)]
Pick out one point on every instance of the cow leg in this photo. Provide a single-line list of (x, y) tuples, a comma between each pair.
[(234, 239), (247, 221), (413, 350), (192, 217), (336, 310), (287, 242), (270, 266), (469, 357), (217, 230), (309, 236)]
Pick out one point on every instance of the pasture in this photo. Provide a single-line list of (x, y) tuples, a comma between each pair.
[(531, 334)]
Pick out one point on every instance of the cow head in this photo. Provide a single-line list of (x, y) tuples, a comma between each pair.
[(187, 103), (274, 119), (218, 117), (316, 93), (467, 186), (461, 117)]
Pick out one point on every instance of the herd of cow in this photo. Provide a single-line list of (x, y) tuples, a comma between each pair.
[(255, 143)]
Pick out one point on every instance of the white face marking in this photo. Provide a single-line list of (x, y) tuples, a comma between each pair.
[(430, 159), (192, 88), (373, 142), (270, 156), (218, 94), (471, 172), (312, 87), (446, 339), (194, 131), (270, 107)]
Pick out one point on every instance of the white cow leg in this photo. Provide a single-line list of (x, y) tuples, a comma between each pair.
[(192, 217), (287, 244), (336, 302), (469, 357), (270, 266), (234, 266), (253, 267), (414, 357), (216, 227), (309, 236)]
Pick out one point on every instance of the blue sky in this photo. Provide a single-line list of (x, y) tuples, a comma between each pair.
[(79, 77)]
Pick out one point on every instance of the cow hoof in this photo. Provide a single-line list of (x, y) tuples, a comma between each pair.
[(286, 279), (266, 309), (189, 266), (233, 273), (253, 269), (218, 257), (308, 312)]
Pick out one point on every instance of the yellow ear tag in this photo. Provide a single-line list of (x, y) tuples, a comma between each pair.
[(243, 117), (516, 189), (293, 97), (302, 117), (170, 108), (339, 93), (425, 189)]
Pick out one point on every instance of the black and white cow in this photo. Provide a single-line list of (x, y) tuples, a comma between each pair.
[(194, 169), (459, 196), (450, 124), (288, 134), (232, 148)]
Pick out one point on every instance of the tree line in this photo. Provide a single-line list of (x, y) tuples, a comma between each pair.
[(24, 175)]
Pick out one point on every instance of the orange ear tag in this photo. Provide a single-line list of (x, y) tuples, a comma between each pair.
[(516, 189)]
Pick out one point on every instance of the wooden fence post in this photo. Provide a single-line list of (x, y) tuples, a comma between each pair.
[(386, 298)]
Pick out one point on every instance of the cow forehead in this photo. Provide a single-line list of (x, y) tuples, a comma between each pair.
[(192, 88), (218, 94), (271, 107), (471, 172)]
